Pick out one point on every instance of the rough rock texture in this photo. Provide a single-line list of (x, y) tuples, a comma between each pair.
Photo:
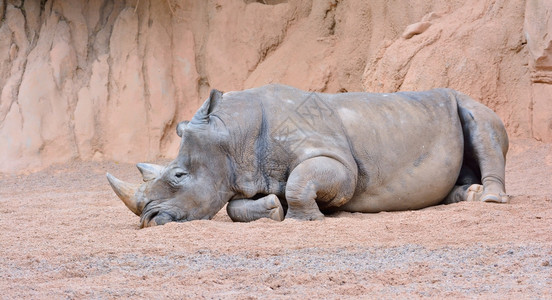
[(92, 80), (538, 29), (477, 48), (106, 79)]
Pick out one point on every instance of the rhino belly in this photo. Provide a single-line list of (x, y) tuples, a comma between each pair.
[(410, 187), (409, 153)]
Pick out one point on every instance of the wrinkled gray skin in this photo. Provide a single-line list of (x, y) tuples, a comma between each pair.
[(276, 149)]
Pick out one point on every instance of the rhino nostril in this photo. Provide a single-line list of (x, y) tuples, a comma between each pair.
[(163, 218), (153, 215), (147, 218)]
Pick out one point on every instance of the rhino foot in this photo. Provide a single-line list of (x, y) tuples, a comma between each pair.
[(498, 198), (476, 192), (275, 209), (312, 216), (247, 210)]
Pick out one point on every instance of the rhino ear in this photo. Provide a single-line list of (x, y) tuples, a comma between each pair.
[(149, 171), (181, 127), (201, 117)]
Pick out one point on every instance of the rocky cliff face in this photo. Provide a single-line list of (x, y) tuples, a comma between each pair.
[(106, 79)]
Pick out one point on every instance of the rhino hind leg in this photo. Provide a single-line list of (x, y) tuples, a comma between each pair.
[(485, 147), (247, 210)]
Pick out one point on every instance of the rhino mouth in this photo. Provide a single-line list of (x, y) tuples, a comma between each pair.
[(152, 216)]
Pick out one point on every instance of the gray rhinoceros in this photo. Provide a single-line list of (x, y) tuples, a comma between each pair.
[(278, 151)]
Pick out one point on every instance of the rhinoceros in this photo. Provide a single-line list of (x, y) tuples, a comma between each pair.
[(279, 152)]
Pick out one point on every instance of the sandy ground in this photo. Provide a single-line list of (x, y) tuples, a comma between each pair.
[(64, 234)]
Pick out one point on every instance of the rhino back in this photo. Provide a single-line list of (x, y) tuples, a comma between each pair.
[(285, 126)]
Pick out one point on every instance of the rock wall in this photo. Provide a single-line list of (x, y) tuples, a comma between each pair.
[(538, 30), (107, 79), (92, 80)]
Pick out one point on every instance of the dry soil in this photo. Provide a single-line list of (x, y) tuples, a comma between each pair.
[(64, 234)]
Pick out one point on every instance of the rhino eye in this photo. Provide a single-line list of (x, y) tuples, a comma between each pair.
[(179, 174)]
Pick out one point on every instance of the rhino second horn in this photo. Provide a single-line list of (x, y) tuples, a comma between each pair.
[(149, 171), (126, 192)]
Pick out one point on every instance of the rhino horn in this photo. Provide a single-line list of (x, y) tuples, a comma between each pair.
[(126, 192), (201, 117), (149, 171)]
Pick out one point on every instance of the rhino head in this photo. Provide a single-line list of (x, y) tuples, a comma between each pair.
[(193, 186)]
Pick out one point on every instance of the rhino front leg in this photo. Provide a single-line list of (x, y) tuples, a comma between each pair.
[(318, 182), (247, 210)]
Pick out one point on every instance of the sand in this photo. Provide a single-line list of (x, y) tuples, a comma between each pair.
[(64, 234)]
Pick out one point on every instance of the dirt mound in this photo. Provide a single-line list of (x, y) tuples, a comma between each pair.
[(110, 79)]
